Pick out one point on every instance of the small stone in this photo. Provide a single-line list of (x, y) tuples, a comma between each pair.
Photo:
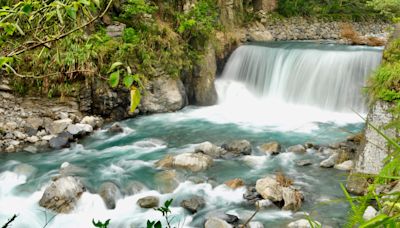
[(370, 213), (194, 204), (116, 128), (235, 183), (5, 88), (48, 137), (19, 135), (148, 202), (10, 126), (10, 149)]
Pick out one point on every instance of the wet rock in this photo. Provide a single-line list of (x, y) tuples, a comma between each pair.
[(370, 213), (94, 121), (216, 223), (59, 142), (269, 188), (134, 187), (302, 223), (167, 181), (297, 149), (292, 199), (345, 166), (79, 129), (116, 128), (58, 126), (256, 224), (30, 149), (271, 148), (62, 195), (235, 183), (209, 149), (237, 148), (148, 202), (329, 162), (265, 203), (166, 162), (194, 204), (110, 193), (193, 161), (305, 162), (67, 169), (11, 149), (251, 195)]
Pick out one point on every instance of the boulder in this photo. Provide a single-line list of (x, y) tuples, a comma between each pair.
[(259, 36), (79, 129), (237, 148), (164, 95), (329, 162), (271, 148), (235, 183), (32, 139), (216, 223), (256, 224), (194, 204), (297, 149), (116, 128), (62, 195), (59, 142), (370, 213), (301, 223), (58, 126), (94, 121), (193, 161), (305, 162), (270, 189), (209, 149), (148, 202), (110, 193), (345, 166), (166, 162), (292, 199), (134, 187), (167, 181)]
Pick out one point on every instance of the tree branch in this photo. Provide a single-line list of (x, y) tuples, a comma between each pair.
[(62, 35)]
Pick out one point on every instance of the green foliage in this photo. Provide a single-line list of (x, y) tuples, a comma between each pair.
[(388, 8), (100, 224), (330, 9), (165, 211), (130, 36), (133, 9)]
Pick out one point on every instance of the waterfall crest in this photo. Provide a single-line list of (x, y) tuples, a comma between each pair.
[(327, 76)]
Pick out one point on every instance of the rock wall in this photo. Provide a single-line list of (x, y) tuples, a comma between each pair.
[(371, 154)]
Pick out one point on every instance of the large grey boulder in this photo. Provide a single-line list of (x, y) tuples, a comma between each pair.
[(163, 95), (62, 195), (110, 193)]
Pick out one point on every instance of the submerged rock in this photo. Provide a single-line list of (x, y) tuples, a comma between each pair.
[(110, 193), (62, 195), (148, 202), (251, 195), (25, 170), (235, 183), (271, 148), (134, 187), (116, 128), (305, 162), (297, 149), (194, 204), (167, 181)]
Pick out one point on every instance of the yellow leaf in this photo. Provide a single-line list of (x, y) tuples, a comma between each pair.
[(135, 98)]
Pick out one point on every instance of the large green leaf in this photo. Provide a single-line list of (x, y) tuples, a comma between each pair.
[(27, 8), (128, 80), (135, 98), (114, 79)]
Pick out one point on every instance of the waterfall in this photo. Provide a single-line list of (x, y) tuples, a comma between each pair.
[(326, 76)]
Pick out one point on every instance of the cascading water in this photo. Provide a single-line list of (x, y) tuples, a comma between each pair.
[(287, 92), (326, 76)]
